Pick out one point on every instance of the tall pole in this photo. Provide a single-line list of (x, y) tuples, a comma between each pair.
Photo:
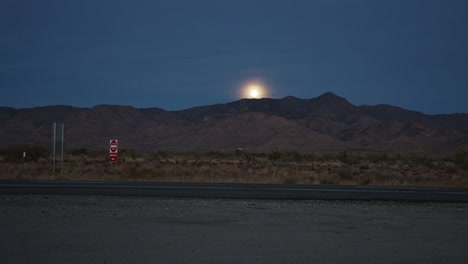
[(63, 143), (53, 149)]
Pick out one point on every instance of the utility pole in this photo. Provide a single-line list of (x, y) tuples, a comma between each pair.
[(58, 145), (54, 140)]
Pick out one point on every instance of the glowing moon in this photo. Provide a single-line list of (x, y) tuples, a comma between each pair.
[(254, 91)]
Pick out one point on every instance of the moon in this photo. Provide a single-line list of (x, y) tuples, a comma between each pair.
[(254, 92)]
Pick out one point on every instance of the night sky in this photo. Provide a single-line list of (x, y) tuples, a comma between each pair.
[(179, 54)]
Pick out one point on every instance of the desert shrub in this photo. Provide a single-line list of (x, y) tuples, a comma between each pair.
[(79, 152), (327, 179), (130, 153), (345, 157), (461, 159), (426, 161), (163, 154), (247, 167), (345, 173), (274, 155), (364, 167), (325, 157), (35, 153), (365, 180), (378, 158), (15, 153), (289, 181), (223, 155), (450, 168), (248, 157), (309, 157), (97, 153), (398, 156), (293, 156)]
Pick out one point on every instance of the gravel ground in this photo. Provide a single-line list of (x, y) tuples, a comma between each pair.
[(105, 229)]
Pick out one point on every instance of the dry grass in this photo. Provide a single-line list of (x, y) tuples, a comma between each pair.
[(275, 167)]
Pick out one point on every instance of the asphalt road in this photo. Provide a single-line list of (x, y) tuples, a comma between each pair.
[(126, 229), (244, 191)]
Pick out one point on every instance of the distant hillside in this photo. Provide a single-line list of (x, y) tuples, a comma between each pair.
[(325, 123)]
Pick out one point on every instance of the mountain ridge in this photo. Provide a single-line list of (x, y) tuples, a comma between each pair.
[(324, 123)]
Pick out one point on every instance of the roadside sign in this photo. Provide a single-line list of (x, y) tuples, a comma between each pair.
[(113, 157), (113, 149)]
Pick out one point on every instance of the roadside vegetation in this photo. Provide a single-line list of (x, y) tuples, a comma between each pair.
[(290, 167)]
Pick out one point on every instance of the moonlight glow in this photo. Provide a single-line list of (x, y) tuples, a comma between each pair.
[(254, 90)]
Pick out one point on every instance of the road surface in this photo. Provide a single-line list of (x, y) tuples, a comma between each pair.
[(244, 191)]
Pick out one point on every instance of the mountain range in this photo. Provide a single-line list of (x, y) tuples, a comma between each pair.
[(325, 123)]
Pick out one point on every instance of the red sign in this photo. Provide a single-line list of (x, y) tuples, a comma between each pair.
[(113, 157), (113, 149)]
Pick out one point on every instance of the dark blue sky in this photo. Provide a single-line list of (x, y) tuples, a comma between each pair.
[(178, 54)]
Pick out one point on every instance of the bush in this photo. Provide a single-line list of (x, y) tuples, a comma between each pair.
[(289, 181), (79, 152), (15, 153), (163, 154), (345, 157), (461, 159), (274, 155), (309, 157), (345, 173), (248, 157), (293, 156), (378, 158)]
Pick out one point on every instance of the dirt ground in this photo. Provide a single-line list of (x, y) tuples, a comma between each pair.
[(103, 229)]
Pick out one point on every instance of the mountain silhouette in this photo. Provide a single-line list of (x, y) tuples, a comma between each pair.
[(325, 123)]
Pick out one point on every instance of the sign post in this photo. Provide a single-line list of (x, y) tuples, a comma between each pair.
[(58, 144), (113, 149)]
